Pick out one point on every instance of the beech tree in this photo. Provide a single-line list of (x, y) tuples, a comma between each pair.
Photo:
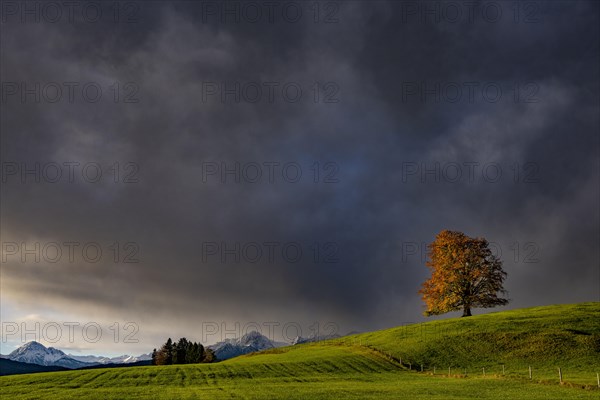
[(464, 274)]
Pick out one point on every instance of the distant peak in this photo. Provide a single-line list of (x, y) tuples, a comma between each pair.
[(33, 343), (253, 334)]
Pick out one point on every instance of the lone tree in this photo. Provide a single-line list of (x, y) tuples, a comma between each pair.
[(464, 274)]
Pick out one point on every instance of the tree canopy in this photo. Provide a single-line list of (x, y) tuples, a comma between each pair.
[(182, 352), (464, 274)]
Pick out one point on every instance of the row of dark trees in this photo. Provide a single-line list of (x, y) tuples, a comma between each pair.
[(182, 352)]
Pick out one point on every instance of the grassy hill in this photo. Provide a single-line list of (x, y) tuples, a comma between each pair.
[(545, 338), (367, 366)]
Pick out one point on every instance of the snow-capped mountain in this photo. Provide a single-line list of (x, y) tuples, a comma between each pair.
[(249, 343), (124, 359), (90, 359), (37, 353)]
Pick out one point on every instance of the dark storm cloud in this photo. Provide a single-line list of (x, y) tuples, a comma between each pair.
[(379, 135)]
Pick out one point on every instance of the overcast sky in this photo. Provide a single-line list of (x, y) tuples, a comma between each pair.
[(322, 146)]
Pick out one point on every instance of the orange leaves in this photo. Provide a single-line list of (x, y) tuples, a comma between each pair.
[(464, 274)]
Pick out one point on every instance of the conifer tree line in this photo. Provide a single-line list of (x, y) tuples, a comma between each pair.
[(182, 352)]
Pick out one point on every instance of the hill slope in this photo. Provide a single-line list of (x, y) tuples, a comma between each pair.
[(545, 338), (367, 365), (10, 367)]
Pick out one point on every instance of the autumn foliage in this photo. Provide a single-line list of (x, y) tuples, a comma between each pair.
[(464, 274)]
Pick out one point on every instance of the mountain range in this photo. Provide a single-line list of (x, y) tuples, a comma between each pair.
[(36, 353), (249, 343), (35, 357), (255, 341), (314, 338), (124, 359)]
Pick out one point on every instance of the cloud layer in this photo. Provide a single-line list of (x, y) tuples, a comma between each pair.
[(404, 134)]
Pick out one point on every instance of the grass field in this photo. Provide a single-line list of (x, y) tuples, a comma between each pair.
[(367, 366)]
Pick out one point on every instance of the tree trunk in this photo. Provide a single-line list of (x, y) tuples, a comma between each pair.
[(466, 311)]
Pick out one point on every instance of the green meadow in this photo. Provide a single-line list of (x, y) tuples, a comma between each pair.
[(406, 362)]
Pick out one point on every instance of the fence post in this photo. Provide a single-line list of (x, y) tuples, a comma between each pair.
[(560, 375), (502, 369), (530, 376), (598, 379), (421, 367), (434, 369), (484, 372), (448, 371), (409, 365)]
